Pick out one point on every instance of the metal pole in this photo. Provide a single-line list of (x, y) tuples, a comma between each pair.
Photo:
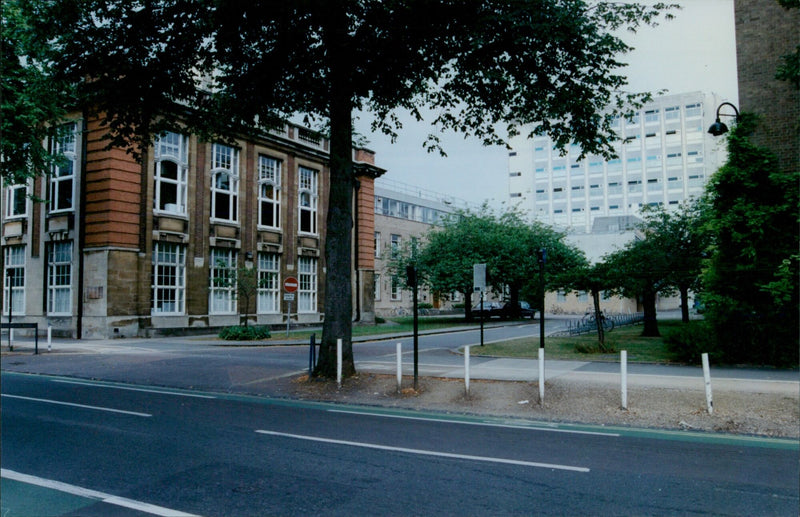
[(339, 362), (416, 335), (624, 377), (542, 260), (707, 378), (10, 308), (541, 376), (399, 367), (481, 310), (288, 317), (466, 368)]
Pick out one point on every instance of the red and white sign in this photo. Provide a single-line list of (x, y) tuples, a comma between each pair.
[(290, 284)]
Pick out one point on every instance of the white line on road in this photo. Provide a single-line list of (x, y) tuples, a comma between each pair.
[(48, 401), (485, 424), (93, 494), (111, 386), (427, 453)]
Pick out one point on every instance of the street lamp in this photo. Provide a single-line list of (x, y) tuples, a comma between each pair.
[(718, 128)]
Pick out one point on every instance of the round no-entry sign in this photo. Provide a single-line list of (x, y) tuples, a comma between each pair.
[(290, 284)]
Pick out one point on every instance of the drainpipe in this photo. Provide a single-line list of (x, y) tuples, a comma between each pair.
[(81, 225), (356, 188)]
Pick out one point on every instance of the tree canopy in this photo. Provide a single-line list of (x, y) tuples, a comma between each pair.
[(485, 68), (751, 283), (505, 242)]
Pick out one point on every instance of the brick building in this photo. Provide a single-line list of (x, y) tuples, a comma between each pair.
[(765, 31), (125, 248)]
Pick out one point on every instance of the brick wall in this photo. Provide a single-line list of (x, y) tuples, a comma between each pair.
[(113, 193), (765, 31)]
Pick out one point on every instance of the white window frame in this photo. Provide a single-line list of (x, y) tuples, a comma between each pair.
[(377, 244), (396, 294), (269, 269), (16, 195), (224, 195), (269, 178), (14, 261), (222, 281), (307, 291), (62, 178), (395, 244), (377, 287), (173, 149), (59, 278), (307, 200), (168, 279)]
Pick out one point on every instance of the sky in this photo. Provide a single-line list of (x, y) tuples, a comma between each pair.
[(696, 51)]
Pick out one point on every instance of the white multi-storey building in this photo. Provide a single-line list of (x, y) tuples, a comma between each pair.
[(664, 155)]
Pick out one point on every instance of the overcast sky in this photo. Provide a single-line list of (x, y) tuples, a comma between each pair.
[(694, 52)]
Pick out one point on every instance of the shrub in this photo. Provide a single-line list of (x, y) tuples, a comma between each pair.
[(425, 306), (248, 333), (688, 342)]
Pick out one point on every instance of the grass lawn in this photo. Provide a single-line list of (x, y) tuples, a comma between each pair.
[(399, 324), (640, 349)]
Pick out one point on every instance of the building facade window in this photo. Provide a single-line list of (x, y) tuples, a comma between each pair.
[(307, 291), (377, 244), (268, 285), (168, 290), (377, 286), (269, 191), (14, 279), (224, 183), (59, 278), (171, 169), (62, 180), (307, 195), (222, 281), (17, 201), (396, 240), (397, 289)]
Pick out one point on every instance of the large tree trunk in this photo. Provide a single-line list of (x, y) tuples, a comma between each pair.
[(650, 323), (338, 322), (684, 303), (598, 318)]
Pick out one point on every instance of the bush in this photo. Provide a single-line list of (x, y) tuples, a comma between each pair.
[(425, 306), (688, 342), (249, 333)]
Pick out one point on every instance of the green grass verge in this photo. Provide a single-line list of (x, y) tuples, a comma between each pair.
[(640, 349), (399, 324)]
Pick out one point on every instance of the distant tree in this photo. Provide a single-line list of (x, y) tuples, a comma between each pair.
[(592, 279), (247, 284), (682, 238), (220, 66), (506, 243), (751, 282), (641, 270)]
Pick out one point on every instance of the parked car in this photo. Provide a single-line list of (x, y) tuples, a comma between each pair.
[(523, 310), (488, 310)]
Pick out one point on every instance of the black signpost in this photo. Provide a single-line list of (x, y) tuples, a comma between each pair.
[(411, 273)]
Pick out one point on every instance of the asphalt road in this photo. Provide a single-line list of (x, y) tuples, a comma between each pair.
[(163, 451)]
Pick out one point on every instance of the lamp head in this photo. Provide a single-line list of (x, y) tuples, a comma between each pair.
[(718, 128)]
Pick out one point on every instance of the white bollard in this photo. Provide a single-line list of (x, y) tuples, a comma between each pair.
[(466, 368), (49, 338), (11, 339), (623, 365), (707, 377), (399, 366), (339, 362), (541, 376)]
